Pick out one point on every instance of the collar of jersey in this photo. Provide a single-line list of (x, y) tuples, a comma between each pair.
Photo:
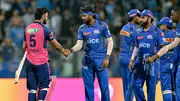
[(38, 22), (150, 29), (95, 24)]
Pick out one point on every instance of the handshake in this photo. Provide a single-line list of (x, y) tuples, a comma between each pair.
[(67, 52)]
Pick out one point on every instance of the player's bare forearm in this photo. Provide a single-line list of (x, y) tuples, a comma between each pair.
[(134, 53), (166, 48), (57, 46), (109, 46)]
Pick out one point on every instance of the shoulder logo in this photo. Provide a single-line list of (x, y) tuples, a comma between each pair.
[(96, 31), (149, 37)]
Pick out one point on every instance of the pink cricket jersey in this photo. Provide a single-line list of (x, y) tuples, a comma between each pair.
[(36, 37)]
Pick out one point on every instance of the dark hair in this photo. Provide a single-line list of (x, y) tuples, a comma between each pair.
[(39, 12), (88, 8), (130, 19)]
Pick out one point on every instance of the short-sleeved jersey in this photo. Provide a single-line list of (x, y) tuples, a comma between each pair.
[(36, 37), (169, 36), (177, 32), (149, 41), (94, 37), (127, 38)]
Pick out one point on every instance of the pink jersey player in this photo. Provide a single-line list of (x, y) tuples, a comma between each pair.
[(37, 69), (36, 36)]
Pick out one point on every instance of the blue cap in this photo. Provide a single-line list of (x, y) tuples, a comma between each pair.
[(133, 12), (147, 13), (165, 20)]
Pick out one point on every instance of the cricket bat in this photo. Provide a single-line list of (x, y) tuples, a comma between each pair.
[(18, 71)]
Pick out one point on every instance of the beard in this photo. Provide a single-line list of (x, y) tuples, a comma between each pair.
[(45, 22), (143, 24), (86, 21)]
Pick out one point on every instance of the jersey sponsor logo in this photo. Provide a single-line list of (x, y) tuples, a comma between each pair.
[(125, 33), (169, 39), (96, 31), (149, 37), (86, 33), (93, 40), (144, 45), (140, 37), (32, 30)]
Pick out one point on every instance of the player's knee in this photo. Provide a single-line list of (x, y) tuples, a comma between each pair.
[(33, 91)]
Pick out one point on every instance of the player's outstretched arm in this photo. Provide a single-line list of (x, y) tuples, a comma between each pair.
[(109, 51), (76, 48), (164, 50), (58, 46)]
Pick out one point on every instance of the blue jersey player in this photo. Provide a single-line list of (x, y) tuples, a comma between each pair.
[(98, 45), (148, 39), (175, 16), (167, 62), (127, 41)]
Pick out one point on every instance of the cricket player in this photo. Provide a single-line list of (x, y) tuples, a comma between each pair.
[(98, 45), (35, 43), (127, 41), (167, 62), (149, 38), (175, 16)]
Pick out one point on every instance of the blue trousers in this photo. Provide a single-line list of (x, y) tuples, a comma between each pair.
[(92, 66), (178, 84), (126, 76), (37, 77), (140, 77), (167, 73)]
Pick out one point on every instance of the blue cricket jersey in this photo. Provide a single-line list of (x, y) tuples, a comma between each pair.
[(94, 37), (169, 36), (127, 38), (149, 41), (178, 47)]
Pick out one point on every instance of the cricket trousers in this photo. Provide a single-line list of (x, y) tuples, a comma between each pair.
[(167, 78), (140, 77), (37, 78), (178, 84), (126, 74), (92, 66)]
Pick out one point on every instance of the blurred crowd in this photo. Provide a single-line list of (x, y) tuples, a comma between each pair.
[(64, 20)]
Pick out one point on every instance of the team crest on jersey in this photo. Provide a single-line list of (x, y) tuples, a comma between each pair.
[(86, 33), (140, 37), (96, 31), (149, 37)]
